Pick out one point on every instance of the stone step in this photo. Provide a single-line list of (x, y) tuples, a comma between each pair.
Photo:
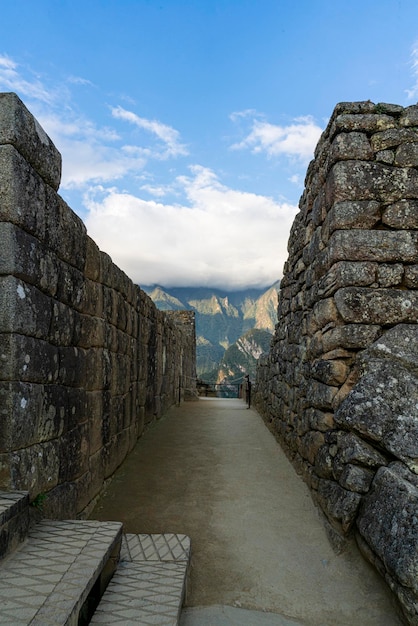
[(58, 574), (14, 520), (149, 584)]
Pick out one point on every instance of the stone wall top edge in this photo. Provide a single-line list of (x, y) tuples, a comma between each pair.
[(405, 116), (20, 128)]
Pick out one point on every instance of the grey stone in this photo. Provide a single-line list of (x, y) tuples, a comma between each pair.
[(357, 479), (367, 180), (382, 407), (389, 524), (392, 137), (363, 305), (19, 128), (339, 505), (352, 214), (345, 274), (407, 154), (377, 245), (402, 215)]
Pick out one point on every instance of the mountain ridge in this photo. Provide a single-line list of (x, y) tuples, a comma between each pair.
[(232, 327)]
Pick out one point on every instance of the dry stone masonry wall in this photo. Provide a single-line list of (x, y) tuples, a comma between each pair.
[(340, 385), (86, 359)]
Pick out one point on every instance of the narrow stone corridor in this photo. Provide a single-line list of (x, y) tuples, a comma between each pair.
[(212, 470)]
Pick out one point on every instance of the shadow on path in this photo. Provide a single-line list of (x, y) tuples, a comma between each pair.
[(212, 470)]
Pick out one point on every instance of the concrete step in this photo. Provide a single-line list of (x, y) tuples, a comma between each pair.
[(57, 575), (14, 520), (149, 584)]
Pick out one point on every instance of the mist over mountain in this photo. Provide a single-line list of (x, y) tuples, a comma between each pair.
[(232, 328)]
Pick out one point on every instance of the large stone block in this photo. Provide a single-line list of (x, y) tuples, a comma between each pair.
[(363, 214), (346, 274), (28, 359), (402, 215), (339, 505), (381, 246), (35, 468), (26, 258), (388, 522), (66, 233), (24, 309), (19, 128), (21, 406), (382, 408), (399, 343), (363, 305), (368, 180), (22, 193), (392, 138)]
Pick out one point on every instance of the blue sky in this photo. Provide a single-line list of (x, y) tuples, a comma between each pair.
[(186, 127)]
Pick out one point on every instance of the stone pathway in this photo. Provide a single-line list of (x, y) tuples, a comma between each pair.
[(212, 470)]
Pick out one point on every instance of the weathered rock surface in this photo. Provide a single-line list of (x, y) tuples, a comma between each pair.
[(86, 358), (343, 360)]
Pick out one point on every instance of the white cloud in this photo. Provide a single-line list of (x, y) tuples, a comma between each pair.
[(12, 80), (297, 139), (166, 134), (412, 93), (92, 153), (220, 237)]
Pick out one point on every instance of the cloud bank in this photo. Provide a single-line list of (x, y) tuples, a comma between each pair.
[(221, 237), (184, 227)]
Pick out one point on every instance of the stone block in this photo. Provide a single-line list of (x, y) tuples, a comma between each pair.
[(381, 246), (320, 420), (28, 359), (363, 214), (345, 274), (390, 275), (339, 505), (319, 395), (92, 264), (349, 448), (350, 336), (309, 444), (391, 138), (330, 372), (382, 408), (364, 122), (66, 234), (389, 524), (74, 367), (363, 305), (368, 180), (407, 154), (402, 215), (21, 406), (73, 449), (19, 128), (23, 308), (26, 258), (357, 479), (22, 193), (352, 145), (409, 117), (36, 468), (323, 463), (399, 343), (411, 276), (92, 332)]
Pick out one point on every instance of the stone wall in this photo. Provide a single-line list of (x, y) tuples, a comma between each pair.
[(86, 359), (339, 387)]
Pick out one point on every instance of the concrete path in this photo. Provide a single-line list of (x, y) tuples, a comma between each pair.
[(260, 556)]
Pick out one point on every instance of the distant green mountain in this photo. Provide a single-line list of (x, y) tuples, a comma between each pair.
[(241, 358), (232, 328)]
